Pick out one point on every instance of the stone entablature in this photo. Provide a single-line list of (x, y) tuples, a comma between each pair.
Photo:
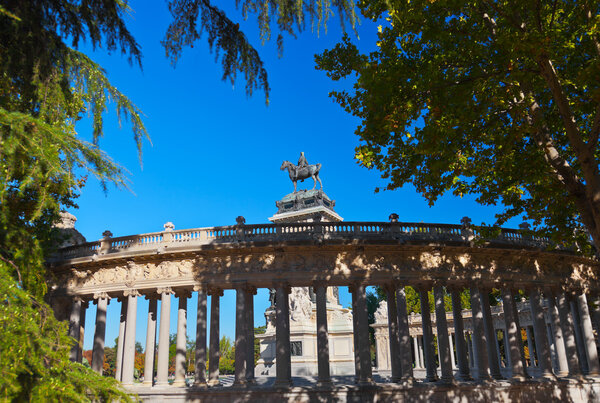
[(376, 253)]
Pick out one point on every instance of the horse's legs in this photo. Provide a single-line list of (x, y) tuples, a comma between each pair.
[(295, 184), (315, 185), (320, 183)]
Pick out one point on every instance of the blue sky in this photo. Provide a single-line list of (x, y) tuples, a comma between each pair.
[(216, 153)]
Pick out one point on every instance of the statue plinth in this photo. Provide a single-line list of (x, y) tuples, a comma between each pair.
[(305, 206)]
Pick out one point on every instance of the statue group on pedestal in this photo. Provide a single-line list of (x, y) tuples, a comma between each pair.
[(302, 171)]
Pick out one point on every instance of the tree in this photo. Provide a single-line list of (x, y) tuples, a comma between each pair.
[(46, 87), (495, 99), (193, 17)]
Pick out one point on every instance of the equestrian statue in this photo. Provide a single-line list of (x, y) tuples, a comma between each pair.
[(302, 171)]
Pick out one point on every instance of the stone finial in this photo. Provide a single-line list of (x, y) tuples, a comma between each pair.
[(107, 234), (381, 314), (524, 226), (394, 217), (240, 220), (67, 221), (169, 226), (466, 221)]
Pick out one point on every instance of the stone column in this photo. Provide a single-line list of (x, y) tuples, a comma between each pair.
[(530, 347), (129, 345), (322, 334), (283, 360), (364, 346), (591, 352), (150, 340), (75, 327), (559, 342), (162, 364), (442, 331), (101, 300), (84, 306), (394, 338), (469, 343), (214, 349), (355, 333), (121, 339), (416, 351), (506, 348), (490, 335), (513, 336), (451, 341), (241, 349), (200, 353), (578, 334), (459, 330), (180, 342), (566, 324), (250, 292), (478, 337), (406, 368), (421, 353), (428, 347), (541, 339)]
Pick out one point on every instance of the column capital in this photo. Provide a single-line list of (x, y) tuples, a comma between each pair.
[(183, 293), (78, 298), (150, 295), (99, 295), (284, 284), (164, 290), (455, 288), (131, 292), (215, 291), (201, 287)]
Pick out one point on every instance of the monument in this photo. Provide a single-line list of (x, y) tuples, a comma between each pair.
[(305, 206)]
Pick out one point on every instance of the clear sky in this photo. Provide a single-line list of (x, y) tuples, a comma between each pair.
[(215, 153)]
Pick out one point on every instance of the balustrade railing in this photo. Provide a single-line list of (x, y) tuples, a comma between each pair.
[(298, 231)]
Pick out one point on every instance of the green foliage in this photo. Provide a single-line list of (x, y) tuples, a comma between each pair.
[(45, 88), (227, 359), (258, 330), (496, 99), (193, 17), (34, 359)]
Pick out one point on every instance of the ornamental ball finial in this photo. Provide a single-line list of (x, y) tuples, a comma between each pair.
[(169, 226), (394, 217), (107, 234), (240, 220), (524, 226), (466, 221)]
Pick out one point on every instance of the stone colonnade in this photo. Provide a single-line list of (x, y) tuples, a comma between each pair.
[(568, 337), (475, 352)]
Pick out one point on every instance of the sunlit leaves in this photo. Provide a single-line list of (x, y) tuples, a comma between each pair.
[(445, 102)]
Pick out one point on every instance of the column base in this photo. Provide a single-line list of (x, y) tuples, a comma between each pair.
[(213, 382), (518, 379), (201, 385), (282, 384), (178, 383), (147, 384), (407, 380), (325, 383), (464, 378)]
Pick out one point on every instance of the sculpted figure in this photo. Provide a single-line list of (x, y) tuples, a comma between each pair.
[(300, 305), (302, 171)]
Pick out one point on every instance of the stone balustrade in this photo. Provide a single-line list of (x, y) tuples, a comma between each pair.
[(161, 242), (442, 258)]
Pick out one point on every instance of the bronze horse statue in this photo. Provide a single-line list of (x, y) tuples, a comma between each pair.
[(296, 173)]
